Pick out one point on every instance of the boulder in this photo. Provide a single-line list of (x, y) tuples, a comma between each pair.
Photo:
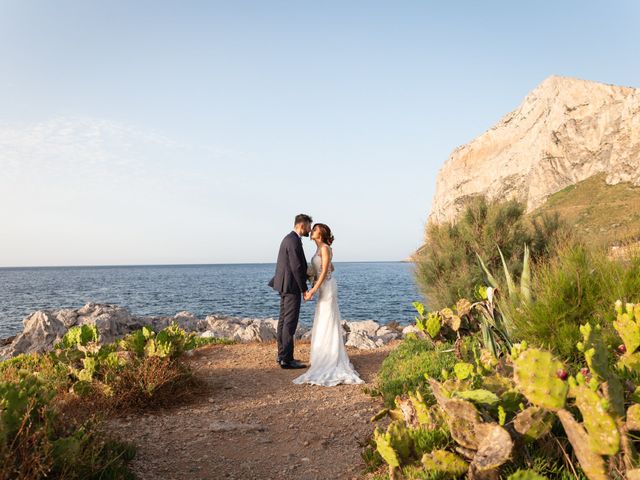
[(42, 330), (412, 329), (366, 327), (186, 320), (360, 341), (387, 334)]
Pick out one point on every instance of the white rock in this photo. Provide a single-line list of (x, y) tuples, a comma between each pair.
[(67, 316), (367, 327), (412, 329), (186, 320), (388, 333), (42, 330), (361, 341)]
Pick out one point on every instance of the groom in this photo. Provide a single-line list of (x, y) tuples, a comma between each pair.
[(290, 281)]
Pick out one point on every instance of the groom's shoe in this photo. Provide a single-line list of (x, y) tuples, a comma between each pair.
[(292, 364)]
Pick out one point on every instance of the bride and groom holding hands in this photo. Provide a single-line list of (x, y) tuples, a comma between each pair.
[(330, 363)]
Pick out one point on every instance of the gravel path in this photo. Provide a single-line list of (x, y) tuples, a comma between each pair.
[(254, 423)]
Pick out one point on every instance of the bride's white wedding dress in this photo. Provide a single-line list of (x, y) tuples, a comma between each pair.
[(330, 363)]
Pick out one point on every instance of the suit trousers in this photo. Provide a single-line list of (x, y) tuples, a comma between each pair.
[(287, 324)]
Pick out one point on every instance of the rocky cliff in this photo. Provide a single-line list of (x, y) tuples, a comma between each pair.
[(565, 131)]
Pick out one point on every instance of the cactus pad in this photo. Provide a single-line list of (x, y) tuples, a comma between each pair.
[(495, 446), (423, 413), (463, 307), (628, 330), (535, 375), (604, 437), (463, 432), (463, 370), (478, 396), (630, 362), (405, 405), (497, 384), (633, 417), (385, 449), (442, 461), (590, 462), (526, 475), (533, 423)]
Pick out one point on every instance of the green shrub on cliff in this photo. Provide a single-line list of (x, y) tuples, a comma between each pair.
[(579, 285), (447, 266)]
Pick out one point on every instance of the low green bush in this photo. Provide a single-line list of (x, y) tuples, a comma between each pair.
[(51, 405), (579, 285), (405, 367), (447, 267)]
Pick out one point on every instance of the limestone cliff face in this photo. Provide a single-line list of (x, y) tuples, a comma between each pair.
[(565, 131)]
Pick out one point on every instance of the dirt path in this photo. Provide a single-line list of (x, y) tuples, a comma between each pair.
[(255, 424)]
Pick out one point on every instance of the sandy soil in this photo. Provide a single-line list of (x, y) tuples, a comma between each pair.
[(254, 423)]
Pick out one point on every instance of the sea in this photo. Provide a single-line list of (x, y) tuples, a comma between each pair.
[(381, 291)]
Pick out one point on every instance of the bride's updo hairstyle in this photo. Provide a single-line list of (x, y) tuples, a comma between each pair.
[(325, 233)]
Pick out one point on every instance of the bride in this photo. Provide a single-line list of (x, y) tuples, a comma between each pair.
[(330, 364)]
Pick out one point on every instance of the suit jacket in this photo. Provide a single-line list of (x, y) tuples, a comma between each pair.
[(291, 268)]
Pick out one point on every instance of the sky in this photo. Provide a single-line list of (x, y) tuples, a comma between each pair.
[(156, 132)]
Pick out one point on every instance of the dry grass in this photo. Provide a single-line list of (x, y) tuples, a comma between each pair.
[(601, 214)]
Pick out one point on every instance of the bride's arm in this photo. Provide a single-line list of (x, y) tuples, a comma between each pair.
[(326, 261)]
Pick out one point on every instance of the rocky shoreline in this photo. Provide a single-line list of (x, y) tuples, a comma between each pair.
[(44, 328)]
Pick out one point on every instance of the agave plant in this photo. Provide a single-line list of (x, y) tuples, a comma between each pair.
[(496, 323)]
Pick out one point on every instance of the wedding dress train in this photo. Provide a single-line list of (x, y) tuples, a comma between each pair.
[(330, 363)]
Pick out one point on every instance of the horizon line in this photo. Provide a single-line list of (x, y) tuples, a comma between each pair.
[(180, 264)]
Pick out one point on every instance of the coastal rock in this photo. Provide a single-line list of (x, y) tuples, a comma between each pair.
[(361, 341), (565, 131), (387, 334), (43, 329), (366, 327), (412, 329), (186, 320)]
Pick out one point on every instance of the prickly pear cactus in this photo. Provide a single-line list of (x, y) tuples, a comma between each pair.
[(400, 439), (462, 416), (394, 445), (404, 404), (591, 463), (443, 462), (533, 423), (423, 413), (629, 331), (597, 357), (604, 437), (536, 375), (494, 449), (478, 396), (526, 475), (385, 449), (633, 417)]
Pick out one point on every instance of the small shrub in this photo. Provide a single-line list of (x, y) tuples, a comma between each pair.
[(51, 404), (580, 285), (447, 267), (405, 367)]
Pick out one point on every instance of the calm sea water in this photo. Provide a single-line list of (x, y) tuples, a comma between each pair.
[(378, 291)]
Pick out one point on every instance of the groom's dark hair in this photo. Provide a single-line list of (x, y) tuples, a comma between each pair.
[(302, 218)]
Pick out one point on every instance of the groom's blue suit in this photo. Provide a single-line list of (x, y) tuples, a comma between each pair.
[(290, 281)]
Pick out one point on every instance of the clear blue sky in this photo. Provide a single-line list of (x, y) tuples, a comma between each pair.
[(193, 132)]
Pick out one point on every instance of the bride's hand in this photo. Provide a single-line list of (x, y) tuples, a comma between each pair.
[(308, 295)]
